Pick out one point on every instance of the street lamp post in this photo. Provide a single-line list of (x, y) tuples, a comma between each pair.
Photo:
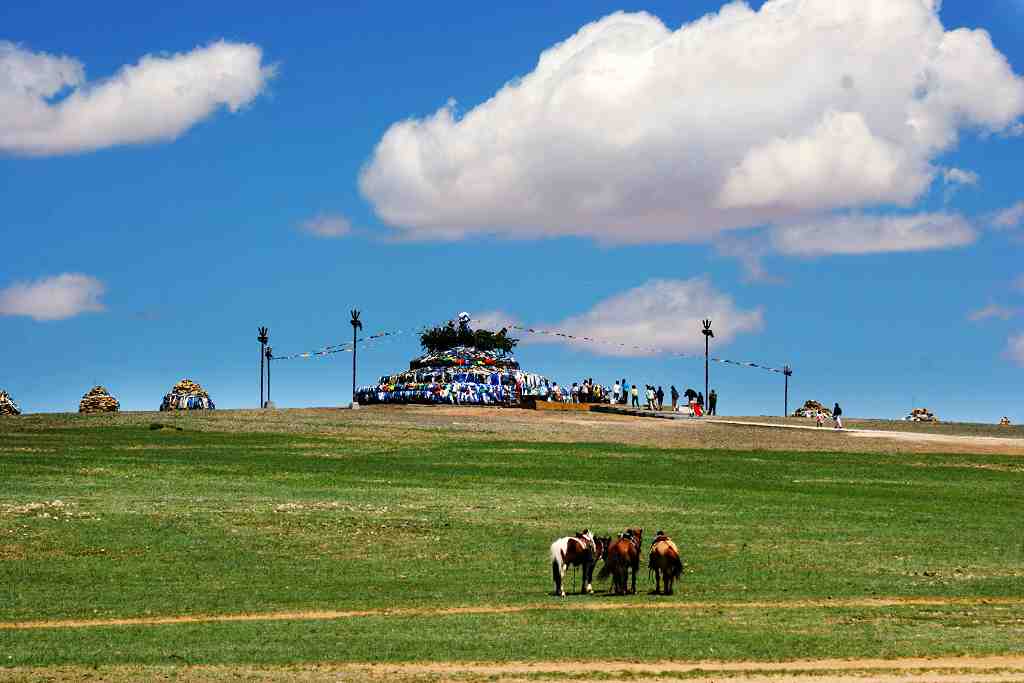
[(708, 334), (270, 357), (262, 337), (356, 325), (788, 372)]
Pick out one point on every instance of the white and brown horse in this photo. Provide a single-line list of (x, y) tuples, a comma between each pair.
[(581, 550)]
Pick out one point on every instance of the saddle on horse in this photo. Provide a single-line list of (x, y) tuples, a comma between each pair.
[(662, 537)]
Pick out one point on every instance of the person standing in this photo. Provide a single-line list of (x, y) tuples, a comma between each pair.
[(712, 403), (635, 393), (675, 397), (837, 415), (700, 401), (661, 398), (616, 392)]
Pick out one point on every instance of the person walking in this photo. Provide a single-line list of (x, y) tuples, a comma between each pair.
[(675, 397), (636, 396), (660, 393), (837, 415), (712, 403)]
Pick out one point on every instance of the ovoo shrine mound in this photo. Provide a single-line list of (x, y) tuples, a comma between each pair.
[(459, 366)]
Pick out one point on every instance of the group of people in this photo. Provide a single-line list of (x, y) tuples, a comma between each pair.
[(651, 397)]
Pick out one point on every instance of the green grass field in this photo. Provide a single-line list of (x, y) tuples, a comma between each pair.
[(788, 554)]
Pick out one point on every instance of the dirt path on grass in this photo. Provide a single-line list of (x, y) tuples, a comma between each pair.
[(968, 443), (593, 605), (994, 669)]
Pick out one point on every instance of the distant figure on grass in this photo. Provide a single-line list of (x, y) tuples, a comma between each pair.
[(675, 397), (660, 395), (712, 403), (664, 562), (623, 555), (635, 393), (837, 416), (581, 550)]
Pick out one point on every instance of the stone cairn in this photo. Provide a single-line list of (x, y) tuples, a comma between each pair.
[(921, 415), (98, 400), (7, 404), (810, 409), (187, 395)]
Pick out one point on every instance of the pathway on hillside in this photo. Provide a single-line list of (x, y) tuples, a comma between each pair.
[(917, 437), (401, 612)]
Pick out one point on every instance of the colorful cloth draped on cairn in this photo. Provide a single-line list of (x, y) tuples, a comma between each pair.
[(98, 400), (459, 376), (7, 404), (187, 395)]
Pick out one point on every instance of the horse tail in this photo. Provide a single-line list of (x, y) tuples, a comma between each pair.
[(677, 567), (606, 568)]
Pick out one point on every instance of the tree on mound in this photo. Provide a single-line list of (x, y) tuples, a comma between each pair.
[(450, 336)]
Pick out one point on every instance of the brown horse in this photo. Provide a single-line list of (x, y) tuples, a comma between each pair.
[(581, 550), (664, 562), (623, 556)]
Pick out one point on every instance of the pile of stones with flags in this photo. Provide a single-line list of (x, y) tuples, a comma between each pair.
[(921, 415), (7, 404), (812, 409), (459, 376), (187, 395), (459, 366), (98, 400)]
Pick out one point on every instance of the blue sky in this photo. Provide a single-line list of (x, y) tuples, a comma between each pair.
[(832, 194)]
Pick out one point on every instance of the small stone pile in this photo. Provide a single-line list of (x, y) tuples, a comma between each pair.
[(921, 415), (811, 409), (1005, 422), (98, 400), (187, 395), (7, 404)]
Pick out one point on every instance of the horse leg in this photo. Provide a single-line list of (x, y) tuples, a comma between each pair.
[(668, 582), (657, 580), (588, 577), (557, 572)]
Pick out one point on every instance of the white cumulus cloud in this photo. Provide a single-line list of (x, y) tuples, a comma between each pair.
[(53, 298), (1015, 349), (630, 131), (47, 107), (663, 314), (864, 234), (959, 176), (992, 311), (327, 225), (1010, 217)]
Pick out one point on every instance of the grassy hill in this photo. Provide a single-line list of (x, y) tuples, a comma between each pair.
[(427, 545)]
